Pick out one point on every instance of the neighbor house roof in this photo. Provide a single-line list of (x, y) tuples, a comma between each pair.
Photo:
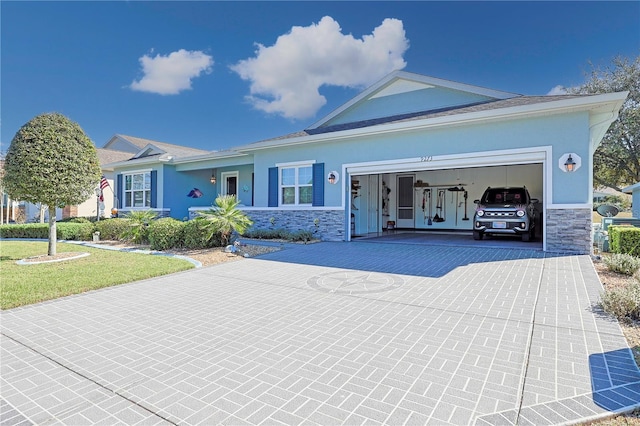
[(168, 148), (106, 156)]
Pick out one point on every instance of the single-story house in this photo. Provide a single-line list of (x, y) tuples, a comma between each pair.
[(388, 158)]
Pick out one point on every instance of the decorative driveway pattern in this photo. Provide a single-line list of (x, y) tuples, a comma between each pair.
[(328, 333)]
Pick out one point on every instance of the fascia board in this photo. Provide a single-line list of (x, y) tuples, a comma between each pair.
[(565, 105), (216, 155), (629, 189), (135, 162)]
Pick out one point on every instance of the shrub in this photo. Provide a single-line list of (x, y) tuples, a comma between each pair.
[(622, 263), (165, 233), (225, 218), (623, 303), (268, 234), (624, 239), (196, 234), (65, 231), (138, 223), (112, 229), (301, 235)]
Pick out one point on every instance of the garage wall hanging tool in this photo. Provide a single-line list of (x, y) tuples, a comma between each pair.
[(440, 207), (457, 190), (428, 193), (466, 195)]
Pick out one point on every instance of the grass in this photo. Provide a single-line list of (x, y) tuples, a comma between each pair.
[(26, 284)]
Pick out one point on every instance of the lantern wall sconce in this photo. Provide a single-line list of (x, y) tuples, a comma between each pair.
[(333, 177), (213, 179), (569, 162)]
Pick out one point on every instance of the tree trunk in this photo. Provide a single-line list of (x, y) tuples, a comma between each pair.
[(53, 236), (42, 209)]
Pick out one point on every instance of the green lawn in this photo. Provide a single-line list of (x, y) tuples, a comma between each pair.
[(27, 284)]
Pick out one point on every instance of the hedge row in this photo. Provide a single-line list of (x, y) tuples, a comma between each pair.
[(162, 234), (624, 239)]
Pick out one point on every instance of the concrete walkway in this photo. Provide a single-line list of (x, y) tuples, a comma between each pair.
[(328, 333)]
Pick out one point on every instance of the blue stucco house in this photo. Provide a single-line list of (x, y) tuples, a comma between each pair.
[(366, 166)]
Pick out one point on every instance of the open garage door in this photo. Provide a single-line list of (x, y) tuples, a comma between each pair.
[(441, 199)]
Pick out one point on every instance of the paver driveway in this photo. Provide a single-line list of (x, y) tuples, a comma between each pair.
[(328, 333)]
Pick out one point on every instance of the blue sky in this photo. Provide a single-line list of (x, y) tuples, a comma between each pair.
[(214, 75)]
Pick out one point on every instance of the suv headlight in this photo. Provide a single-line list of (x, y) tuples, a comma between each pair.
[(480, 213), (520, 213)]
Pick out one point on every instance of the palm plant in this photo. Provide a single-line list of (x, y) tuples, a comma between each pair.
[(224, 218), (137, 230)]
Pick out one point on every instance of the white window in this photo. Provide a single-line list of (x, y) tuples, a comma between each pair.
[(296, 185), (137, 190), (230, 183)]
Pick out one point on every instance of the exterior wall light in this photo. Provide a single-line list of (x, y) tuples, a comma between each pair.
[(213, 178), (569, 162), (333, 177)]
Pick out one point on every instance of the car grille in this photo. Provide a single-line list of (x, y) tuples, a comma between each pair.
[(499, 214)]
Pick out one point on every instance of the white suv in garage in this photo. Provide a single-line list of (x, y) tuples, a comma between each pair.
[(505, 211)]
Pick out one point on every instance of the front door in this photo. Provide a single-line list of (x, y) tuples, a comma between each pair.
[(405, 211)]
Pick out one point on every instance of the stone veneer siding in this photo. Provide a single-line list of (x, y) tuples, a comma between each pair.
[(331, 226), (569, 230)]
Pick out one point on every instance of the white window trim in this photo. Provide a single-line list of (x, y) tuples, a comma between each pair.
[(293, 165), (124, 188), (223, 182)]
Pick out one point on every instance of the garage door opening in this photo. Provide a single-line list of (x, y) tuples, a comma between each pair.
[(437, 205)]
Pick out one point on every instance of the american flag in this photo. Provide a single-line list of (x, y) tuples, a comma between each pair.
[(104, 182)]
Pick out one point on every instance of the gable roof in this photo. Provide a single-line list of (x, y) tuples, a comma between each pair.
[(402, 83), (140, 147), (604, 106)]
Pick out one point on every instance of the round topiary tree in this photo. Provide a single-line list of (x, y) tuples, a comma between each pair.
[(51, 161)]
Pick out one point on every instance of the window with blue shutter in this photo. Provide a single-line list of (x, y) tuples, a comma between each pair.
[(273, 187), (154, 189)]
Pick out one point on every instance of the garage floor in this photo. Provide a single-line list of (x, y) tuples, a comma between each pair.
[(456, 239)]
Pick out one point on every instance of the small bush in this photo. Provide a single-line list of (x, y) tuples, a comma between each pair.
[(165, 233), (623, 303), (138, 226), (624, 239), (268, 234), (196, 234), (622, 263), (75, 231), (301, 235), (112, 229)]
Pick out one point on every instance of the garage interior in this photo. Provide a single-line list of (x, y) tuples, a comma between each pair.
[(436, 206)]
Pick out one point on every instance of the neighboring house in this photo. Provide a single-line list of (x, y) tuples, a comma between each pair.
[(389, 158), (634, 190)]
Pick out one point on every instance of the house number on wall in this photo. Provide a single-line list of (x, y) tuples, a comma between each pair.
[(425, 159)]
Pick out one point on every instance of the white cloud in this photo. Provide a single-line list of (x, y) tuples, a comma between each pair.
[(171, 74), (286, 77), (558, 90)]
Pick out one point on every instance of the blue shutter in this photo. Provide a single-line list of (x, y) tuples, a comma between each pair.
[(273, 187), (120, 192), (318, 184), (154, 189)]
